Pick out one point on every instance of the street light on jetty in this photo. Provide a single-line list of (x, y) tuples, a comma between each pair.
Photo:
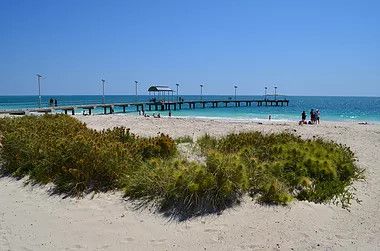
[(177, 92), (275, 93), (39, 89), (201, 92), (235, 86), (136, 90), (103, 99), (266, 88)]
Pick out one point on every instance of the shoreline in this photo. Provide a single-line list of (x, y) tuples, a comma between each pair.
[(241, 119), (226, 119)]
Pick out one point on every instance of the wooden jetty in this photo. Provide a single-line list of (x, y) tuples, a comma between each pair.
[(150, 106)]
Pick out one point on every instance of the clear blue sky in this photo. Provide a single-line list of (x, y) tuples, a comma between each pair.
[(324, 47)]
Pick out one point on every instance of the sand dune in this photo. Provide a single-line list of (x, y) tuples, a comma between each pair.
[(30, 219)]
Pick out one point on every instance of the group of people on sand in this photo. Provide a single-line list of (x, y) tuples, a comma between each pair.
[(158, 115), (142, 113), (314, 117)]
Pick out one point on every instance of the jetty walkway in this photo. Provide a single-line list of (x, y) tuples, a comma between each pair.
[(149, 106)]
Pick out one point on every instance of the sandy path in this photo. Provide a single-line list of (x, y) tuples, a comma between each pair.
[(30, 219)]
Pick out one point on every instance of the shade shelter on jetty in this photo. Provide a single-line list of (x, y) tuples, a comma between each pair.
[(161, 93)]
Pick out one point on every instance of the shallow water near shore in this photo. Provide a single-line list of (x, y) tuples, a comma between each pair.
[(332, 108)]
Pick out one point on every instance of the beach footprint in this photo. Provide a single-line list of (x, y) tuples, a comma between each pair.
[(210, 230), (127, 240), (158, 242)]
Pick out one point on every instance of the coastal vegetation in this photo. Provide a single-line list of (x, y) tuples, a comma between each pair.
[(271, 168)]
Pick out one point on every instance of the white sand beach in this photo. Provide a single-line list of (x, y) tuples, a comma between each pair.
[(31, 219)]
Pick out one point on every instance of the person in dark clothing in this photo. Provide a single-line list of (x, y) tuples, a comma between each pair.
[(55, 102), (312, 116), (51, 101), (317, 115), (303, 116)]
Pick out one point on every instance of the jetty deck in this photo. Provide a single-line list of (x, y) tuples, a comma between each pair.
[(149, 106)]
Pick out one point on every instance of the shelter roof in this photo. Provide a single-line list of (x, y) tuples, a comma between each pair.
[(158, 88)]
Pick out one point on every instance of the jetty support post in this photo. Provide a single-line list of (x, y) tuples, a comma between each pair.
[(89, 109)]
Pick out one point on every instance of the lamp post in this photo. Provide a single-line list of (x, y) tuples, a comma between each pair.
[(275, 93), (266, 88), (39, 89), (201, 92), (177, 92), (235, 86), (136, 90), (103, 99)]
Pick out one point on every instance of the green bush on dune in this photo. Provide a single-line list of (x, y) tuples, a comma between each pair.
[(273, 168), (187, 187), (62, 150), (283, 166)]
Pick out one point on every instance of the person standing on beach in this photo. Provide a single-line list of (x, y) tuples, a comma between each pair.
[(317, 115), (312, 116), (303, 117)]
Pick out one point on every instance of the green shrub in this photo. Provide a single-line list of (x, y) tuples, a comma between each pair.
[(161, 146), (283, 166), (62, 150), (184, 139), (273, 168), (207, 143), (275, 192), (187, 187)]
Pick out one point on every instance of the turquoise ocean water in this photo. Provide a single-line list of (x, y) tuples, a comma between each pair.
[(331, 108)]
